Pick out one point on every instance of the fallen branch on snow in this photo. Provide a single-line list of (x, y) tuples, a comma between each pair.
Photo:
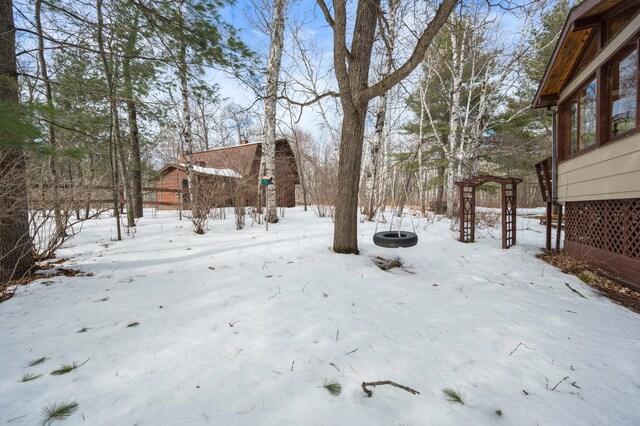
[(386, 382), (557, 384)]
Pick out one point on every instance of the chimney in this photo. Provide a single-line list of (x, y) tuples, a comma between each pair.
[(243, 141)]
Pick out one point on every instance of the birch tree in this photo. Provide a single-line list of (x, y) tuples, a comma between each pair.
[(374, 170), (268, 163)]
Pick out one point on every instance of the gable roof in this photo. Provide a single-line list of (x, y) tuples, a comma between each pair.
[(580, 26), (238, 158), (243, 159), (201, 170)]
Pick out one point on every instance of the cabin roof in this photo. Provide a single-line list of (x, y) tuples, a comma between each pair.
[(580, 26), (233, 161)]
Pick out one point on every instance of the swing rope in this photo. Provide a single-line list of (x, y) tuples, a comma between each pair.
[(394, 213)]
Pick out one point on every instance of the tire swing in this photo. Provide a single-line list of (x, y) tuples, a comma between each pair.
[(397, 238)]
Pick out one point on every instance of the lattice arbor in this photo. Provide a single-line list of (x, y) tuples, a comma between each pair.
[(509, 193)]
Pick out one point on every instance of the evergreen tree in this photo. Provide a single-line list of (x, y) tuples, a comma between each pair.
[(15, 244)]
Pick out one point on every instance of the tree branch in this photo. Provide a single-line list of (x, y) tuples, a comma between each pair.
[(326, 12), (309, 102), (414, 60)]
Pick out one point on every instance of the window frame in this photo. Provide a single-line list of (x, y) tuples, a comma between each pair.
[(621, 53), (565, 119)]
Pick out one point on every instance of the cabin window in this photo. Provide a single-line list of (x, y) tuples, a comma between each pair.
[(184, 186), (622, 93), (581, 119), (587, 118)]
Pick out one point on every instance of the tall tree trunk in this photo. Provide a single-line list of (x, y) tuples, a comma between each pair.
[(454, 137), (273, 75), (374, 169), (298, 155), (60, 223), (134, 135), (202, 105), (187, 137), (114, 142), (440, 179), (345, 237), (125, 170), (15, 245)]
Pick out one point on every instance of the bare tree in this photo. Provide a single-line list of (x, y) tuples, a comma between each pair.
[(60, 225), (351, 64), (132, 118)]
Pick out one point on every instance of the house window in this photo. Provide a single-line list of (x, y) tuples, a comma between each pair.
[(574, 127), (184, 186), (580, 119), (587, 116), (622, 93)]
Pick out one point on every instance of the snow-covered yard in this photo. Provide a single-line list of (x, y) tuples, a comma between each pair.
[(245, 327)]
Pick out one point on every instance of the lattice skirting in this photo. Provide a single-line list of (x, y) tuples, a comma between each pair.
[(606, 233)]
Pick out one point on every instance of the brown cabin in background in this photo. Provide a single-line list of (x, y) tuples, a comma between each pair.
[(230, 176)]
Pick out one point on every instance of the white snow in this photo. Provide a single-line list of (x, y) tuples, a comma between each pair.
[(216, 172), (241, 327)]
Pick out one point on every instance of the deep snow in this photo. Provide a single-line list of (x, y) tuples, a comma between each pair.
[(241, 327)]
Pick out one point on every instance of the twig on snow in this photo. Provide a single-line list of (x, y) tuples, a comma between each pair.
[(386, 382), (557, 384), (293, 362), (575, 291), (521, 344), (246, 411), (305, 286), (348, 353)]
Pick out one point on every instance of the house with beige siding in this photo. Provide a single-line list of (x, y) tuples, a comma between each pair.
[(591, 85)]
